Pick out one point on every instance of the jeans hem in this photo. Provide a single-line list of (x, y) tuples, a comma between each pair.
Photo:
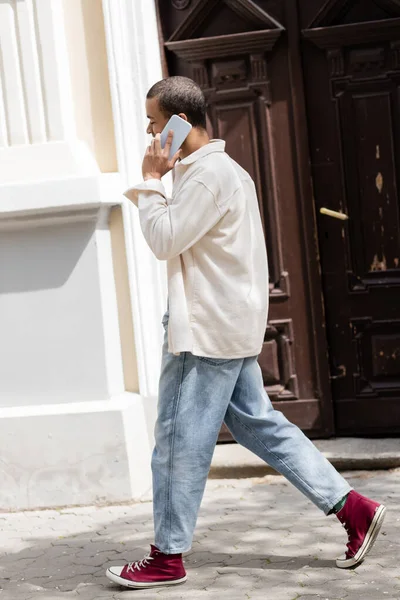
[(178, 550), (337, 499)]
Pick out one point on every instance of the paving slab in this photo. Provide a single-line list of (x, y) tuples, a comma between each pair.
[(257, 538)]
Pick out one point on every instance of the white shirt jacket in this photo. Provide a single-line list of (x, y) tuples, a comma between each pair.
[(211, 236)]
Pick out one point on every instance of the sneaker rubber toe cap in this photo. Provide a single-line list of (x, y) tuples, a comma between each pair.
[(115, 571)]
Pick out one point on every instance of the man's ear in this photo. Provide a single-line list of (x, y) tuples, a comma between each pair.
[(183, 116)]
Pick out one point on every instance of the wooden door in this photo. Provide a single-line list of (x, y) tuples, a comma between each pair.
[(352, 50), (245, 56)]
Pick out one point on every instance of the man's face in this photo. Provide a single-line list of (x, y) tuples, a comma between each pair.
[(157, 121)]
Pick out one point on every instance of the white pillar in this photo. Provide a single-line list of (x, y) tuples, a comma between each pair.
[(135, 64)]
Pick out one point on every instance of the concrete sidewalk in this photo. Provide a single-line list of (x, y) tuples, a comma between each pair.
[(232, 460), (256, 538)]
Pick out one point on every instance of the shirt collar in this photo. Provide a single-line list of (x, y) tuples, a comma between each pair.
[(212, 146)]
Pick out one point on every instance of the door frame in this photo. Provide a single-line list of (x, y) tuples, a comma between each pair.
[(312, 265)]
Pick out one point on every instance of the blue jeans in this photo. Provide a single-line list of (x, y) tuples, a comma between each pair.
[(196, 396)]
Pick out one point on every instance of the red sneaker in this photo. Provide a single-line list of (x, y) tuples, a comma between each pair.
[(156, 569), (362, 518)]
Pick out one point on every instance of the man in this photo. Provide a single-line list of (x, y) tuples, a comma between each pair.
[(211, 235)]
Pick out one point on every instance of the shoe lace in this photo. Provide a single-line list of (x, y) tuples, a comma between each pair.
[(347, 528), (349, 534), (140, 564)]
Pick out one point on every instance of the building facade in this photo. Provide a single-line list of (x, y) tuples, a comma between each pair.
[(81, 295), (307, 97)]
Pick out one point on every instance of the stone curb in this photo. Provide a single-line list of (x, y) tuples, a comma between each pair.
[(231, 461)]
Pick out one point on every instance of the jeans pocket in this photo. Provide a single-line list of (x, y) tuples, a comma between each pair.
[(215, 362)]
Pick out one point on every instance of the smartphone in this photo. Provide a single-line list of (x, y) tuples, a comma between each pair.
[(181, 129)]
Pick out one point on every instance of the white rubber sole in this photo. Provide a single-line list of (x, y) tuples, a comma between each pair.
[(138, 585), (372, 533)]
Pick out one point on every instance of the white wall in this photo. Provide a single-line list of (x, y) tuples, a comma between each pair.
[(73, 429), (50, 299)]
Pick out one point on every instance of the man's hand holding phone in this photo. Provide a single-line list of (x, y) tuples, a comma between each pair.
[(156, 162)]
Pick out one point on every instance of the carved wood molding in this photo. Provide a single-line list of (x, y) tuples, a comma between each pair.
[(258, 67), (253, 13), (195, 18), (359, 33), (392, 6), (336, 60), (330, 11), (245, 9), (277, 361), (245, 77), (395, 55), (334, 10), (228, 45), (180, 4), (376, 347)]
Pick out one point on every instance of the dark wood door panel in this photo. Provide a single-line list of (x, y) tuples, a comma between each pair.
[(240, 53), (235, 122), (241, 118), (354, 119), (369, 139)]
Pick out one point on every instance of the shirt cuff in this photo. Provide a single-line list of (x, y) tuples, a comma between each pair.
[(151, 185)]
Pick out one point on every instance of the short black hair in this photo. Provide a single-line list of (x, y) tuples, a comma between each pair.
[(180, 95)]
